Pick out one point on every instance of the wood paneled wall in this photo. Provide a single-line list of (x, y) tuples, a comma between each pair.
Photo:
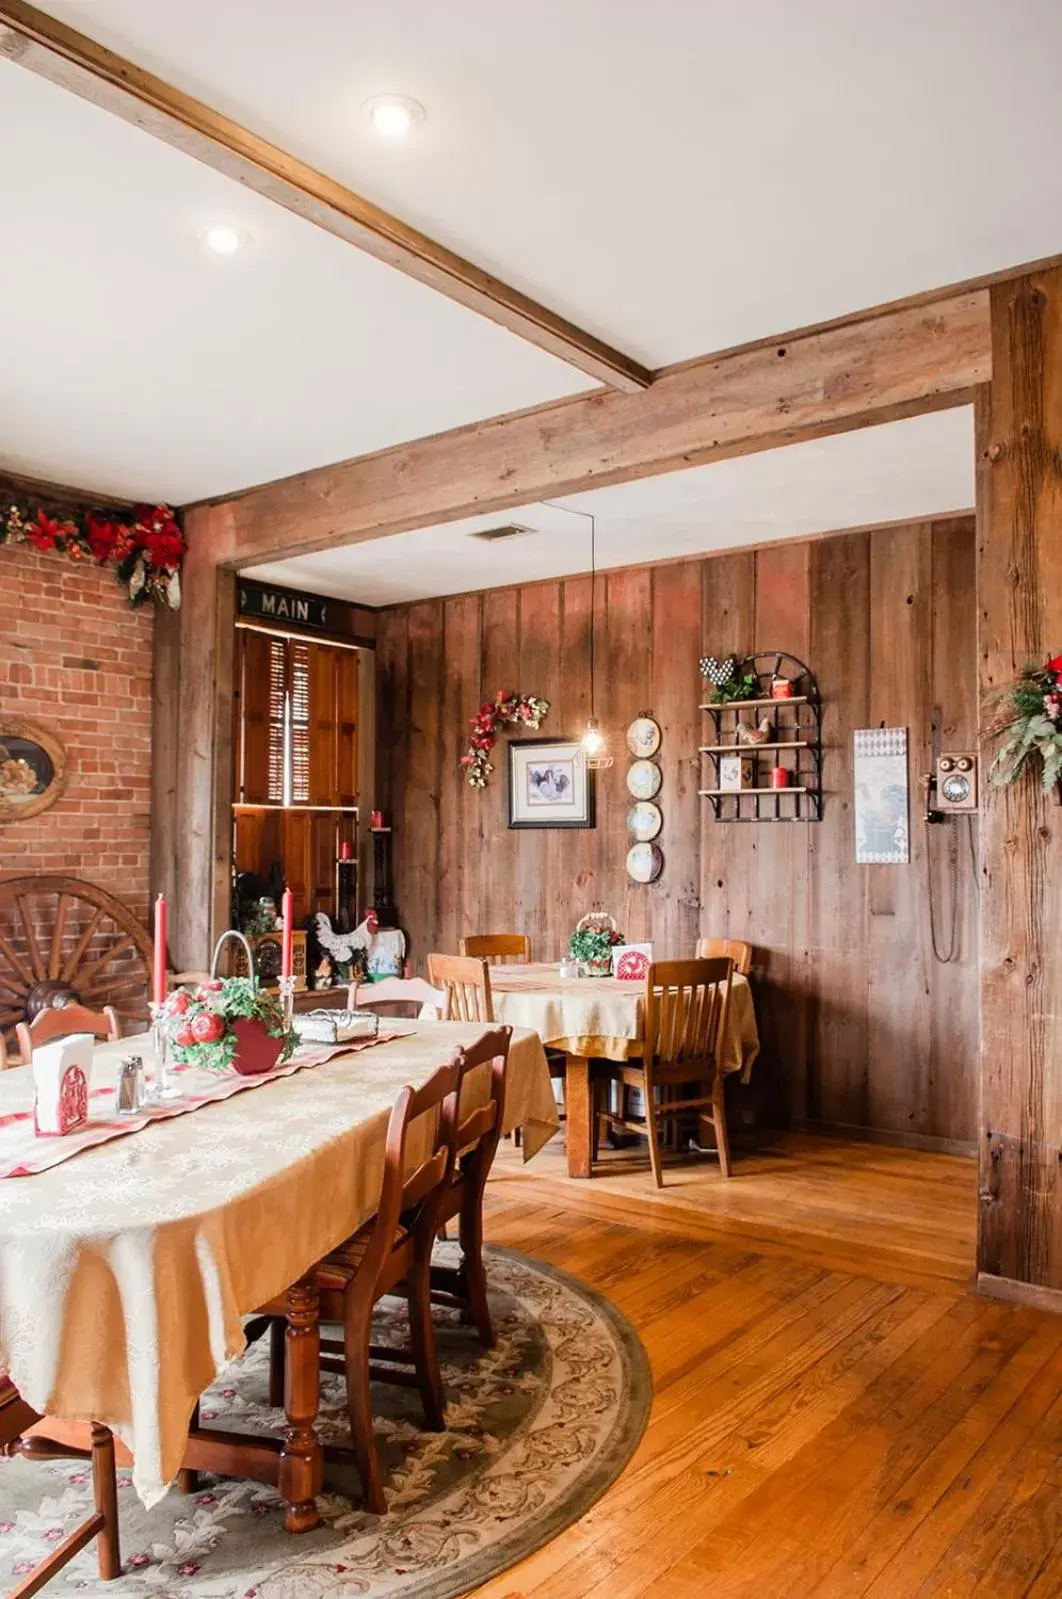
[(861, 1025)]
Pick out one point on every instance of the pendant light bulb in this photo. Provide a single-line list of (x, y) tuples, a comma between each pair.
[(593, 739)]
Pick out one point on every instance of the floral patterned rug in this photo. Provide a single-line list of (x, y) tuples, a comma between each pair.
[(537, 1429)]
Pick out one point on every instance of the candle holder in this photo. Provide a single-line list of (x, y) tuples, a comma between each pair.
[(287, 1000), (163, 1086)]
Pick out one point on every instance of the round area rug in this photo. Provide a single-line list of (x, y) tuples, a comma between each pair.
[(536, 1430)]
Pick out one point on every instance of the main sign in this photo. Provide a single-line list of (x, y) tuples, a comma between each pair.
[(282, 605)]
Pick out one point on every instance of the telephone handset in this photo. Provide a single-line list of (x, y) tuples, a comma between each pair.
[(951, 792)]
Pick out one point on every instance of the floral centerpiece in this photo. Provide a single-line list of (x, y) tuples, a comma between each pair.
[(525, 710), (231, 1025), (593, 941), (1032, 725)]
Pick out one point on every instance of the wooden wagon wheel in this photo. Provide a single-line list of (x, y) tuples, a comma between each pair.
[(63, 939)]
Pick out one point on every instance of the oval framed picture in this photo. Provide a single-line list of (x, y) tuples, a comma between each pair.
[(643, 736), (644, 863), (32, 769), (643, 780), (644, 821)]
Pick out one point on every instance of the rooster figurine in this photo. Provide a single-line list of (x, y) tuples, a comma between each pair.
[(755, 735)]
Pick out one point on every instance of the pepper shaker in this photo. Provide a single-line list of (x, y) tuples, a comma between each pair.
[(130, 1095)]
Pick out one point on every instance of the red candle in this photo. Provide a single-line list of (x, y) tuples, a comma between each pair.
[(377, 819), (346, 850), (779, 777), (159, 969), (286, 911)]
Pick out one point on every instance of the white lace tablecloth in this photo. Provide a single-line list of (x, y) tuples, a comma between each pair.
[(125, 1272)]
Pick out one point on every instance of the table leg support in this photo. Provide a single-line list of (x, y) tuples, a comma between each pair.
[(579, 1106), (301, 1458)]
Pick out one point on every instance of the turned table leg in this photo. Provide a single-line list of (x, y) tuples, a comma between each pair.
[(301, 1458), (579, 1106)]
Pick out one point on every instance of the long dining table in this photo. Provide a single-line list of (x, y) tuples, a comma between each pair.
[(600, 1019), (127, 1271)]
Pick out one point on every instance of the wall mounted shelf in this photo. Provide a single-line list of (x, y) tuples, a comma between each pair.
[(794, 742)]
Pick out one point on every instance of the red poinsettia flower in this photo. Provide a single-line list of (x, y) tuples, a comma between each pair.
[(102, 537), (164, 549), (44, 532), (1055, 666)]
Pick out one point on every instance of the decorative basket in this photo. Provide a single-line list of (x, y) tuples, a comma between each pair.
[(257, 1050), (598, 962)]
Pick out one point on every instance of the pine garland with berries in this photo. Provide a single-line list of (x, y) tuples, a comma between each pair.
[(145, 546), (1032, 723), (505, 709)]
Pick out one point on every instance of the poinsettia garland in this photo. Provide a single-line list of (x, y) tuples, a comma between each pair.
[(146, 546), (505, 709), (1032, 723)]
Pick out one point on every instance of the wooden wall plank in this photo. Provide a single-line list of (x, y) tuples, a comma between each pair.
[(1019, 503), (421, 886), (794, 891)]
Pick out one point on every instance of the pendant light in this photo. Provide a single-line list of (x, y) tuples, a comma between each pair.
[(594, 743)]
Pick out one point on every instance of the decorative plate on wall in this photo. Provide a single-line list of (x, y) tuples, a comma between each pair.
[(32, 768), (643, 736), (644, 821), (644, 863), (643, 780)]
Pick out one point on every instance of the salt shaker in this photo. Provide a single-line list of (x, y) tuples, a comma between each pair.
[(130, 1094)]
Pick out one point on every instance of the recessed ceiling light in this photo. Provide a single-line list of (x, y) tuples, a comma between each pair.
[(393, 116), (222, 239)]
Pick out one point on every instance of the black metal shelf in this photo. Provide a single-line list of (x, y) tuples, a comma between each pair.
[(795, 742)]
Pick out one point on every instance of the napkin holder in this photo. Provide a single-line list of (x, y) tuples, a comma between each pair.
[(335, 1026), (61, 1072)]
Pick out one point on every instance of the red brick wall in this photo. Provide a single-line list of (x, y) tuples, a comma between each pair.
[(75, 656)]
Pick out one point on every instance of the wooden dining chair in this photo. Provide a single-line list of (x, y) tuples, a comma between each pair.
[(686, 1009), (16, 1418), (476, 1144), (497, 949), (392, 1252), (465, 980), (49, 1024), (739, 952)]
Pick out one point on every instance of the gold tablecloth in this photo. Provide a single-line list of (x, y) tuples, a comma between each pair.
[(603, 1017), (125, 1272)]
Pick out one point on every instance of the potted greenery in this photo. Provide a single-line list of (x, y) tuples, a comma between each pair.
[(592, 944), (227, 1025)]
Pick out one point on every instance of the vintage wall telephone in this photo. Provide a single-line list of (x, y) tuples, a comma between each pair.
[(950, 794)]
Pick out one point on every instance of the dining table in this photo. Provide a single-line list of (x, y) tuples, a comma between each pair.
[(598, 1019), (127, 1271)]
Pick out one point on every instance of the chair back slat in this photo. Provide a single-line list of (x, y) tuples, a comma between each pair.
[(740, 952), (465, 980), (498, 948), (436, 1102), (49, 1024), (686, 1007), (413, 993)]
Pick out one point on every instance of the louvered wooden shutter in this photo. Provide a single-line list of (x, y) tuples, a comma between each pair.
[(321, 665), (346, 727), (301, 692), (260, 771)]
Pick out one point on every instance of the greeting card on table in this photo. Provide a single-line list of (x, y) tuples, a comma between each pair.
[(61, 1072)]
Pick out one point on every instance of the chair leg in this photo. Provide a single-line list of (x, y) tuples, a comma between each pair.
[(721, 1137), (653, 1129), (425, 1355), (473, 1276), (277, 1357), (105, 1490), (356, 1337), (595, 1119)]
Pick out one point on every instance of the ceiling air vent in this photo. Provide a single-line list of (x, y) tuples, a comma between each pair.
[(494, 535)]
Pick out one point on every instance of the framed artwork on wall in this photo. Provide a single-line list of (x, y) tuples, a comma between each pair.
[(881, 804), (549, 785), (32, 769)]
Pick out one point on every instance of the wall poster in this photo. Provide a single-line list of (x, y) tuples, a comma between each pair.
[(881, 797)]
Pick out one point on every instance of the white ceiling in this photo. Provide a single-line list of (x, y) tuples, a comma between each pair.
[(677, 176), (135, 362), (903, 470)]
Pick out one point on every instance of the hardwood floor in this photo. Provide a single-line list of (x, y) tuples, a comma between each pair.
[(834, 1414)]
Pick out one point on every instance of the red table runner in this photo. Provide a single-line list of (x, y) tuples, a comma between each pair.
[(22, 1153)]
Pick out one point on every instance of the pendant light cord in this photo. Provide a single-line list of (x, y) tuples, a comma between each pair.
[(589, 516)]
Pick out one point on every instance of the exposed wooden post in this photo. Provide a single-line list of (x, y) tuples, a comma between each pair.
[(1019, 507)]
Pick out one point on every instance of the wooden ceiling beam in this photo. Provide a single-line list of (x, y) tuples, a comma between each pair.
[(874, 369), (49, 48)]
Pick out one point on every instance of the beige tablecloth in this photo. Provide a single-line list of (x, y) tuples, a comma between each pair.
[(124, 1273), (602, 1016)]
